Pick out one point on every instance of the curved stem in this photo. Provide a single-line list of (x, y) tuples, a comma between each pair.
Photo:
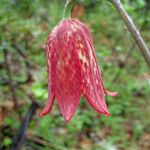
[(133, 30), (68, 7)]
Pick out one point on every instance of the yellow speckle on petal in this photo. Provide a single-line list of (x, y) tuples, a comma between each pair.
[(79, 37), (69, 33), (81, 45), (88, 81), (82, 57), (49, 55), (49, 62), (96, 81), (74, 29), (75, 24)]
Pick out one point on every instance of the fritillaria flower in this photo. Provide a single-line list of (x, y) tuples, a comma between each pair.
[(72, 70)]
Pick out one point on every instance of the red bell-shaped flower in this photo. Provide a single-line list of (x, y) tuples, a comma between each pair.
[(72, 70)]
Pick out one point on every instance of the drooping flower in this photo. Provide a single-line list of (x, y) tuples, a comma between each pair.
[(72, 70)]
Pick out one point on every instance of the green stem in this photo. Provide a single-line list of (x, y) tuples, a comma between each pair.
[(68, 7)]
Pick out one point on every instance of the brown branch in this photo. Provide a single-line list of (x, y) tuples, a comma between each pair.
[(38, 139), (20, 136), (23, 55), (11, 84), (133, 30), (28, 64), (4, 82)]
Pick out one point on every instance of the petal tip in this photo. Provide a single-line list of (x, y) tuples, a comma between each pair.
[(107, 114), (44, 112), (68, 117), (113, 94), (67, 120)]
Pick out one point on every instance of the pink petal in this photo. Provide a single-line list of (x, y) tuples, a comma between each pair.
[(67, 73), (88, 36), (110, 93), (92, 86), (50, 52), (48, 106)]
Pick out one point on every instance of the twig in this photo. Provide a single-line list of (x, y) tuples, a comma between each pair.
[(123, 63), (28, 64), (29, 78), (20, 52), (133, 30), (19, 138), (146, 12), (17, 83), (40, 140), (12, 87)]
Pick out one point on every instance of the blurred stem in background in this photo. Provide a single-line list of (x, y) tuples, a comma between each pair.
[(19, 138), (133, 30)]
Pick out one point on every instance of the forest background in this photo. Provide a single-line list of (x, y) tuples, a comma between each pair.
[(24, 26)]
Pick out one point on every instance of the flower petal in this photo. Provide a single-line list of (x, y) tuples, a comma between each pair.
[(48, 106), (67, 72), (88, 37), (51, 97), (92, 86)]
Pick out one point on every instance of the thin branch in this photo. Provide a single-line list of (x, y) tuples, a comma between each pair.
[(19, 138), (11, 84), (4, 82), (23, 55), (28, 64), (133, 30)]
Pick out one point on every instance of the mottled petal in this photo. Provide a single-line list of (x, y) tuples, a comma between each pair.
[(92, 84), (67, 72), (88, 37), (50, 48), (48, 105), (92, 87)]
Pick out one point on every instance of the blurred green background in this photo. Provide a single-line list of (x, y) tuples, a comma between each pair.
[(24, 26)]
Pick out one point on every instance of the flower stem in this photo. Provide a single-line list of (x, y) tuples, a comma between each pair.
[(68, 7), (133, 30)]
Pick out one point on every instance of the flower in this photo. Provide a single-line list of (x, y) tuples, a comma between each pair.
[(72, 70)]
